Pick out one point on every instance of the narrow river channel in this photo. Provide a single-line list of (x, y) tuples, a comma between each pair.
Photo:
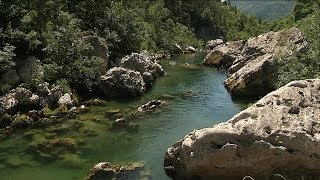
[(195, 96)]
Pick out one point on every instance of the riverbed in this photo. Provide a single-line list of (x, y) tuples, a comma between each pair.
[(195, 98)]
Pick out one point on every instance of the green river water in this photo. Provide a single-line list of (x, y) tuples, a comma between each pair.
[(207, 103)]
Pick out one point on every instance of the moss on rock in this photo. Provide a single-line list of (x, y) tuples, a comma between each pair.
[(22, 121), (54, 147)]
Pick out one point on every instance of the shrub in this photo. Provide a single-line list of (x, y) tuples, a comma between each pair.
[(65, 55)]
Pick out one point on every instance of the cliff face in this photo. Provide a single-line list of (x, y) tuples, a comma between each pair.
[(277, 135)]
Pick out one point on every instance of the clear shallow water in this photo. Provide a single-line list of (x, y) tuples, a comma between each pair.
[(208, 103)]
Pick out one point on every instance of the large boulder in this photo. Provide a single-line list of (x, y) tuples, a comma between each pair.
[(214, 43), (278, 135), (142, 63), (51, 95), (28, 68), (106, 170), (223, 55), (66, 100), (145, 64), (8, 104), (253, 72), (123, 82), (9, 77), (99, 49)]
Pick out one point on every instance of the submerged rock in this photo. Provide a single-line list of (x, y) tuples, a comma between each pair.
[(22, 121), (167, 97), (123, 123), (121, 82), (94, 102), (106, 170), (253, 72), (151, 105), (71, 161), (53, 147), (277, 135), (114, 113)]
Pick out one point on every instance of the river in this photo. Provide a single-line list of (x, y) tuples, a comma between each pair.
[(199, 100)]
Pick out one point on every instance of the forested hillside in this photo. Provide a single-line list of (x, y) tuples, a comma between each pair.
[(53, 32), (269, 10)]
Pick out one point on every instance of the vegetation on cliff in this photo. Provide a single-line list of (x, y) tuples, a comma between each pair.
[(53, 31), (305, 16)]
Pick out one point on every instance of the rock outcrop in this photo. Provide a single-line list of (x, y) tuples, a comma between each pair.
[(28, 68), (50, 95), (19, 97), (277, 135), (106, 170), (23, 100), (214, 43), (123, 82), (141, 63), (123, 123), (253, 72), (137, 72), (223, 55), (151, 105)]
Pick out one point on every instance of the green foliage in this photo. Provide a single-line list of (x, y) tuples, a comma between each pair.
[(53, 31), (64, 84), (270, 10), (4, 88), (296, 67), (213, 19), (6, 57), (307, 65), (65, 55)]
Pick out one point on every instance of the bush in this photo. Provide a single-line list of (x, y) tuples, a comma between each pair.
[(6, 57), (303, 66), (65, 55), (296, 67)]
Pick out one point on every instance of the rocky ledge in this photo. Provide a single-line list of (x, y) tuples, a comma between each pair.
[(278, 135), (106, 170), (251, 68)]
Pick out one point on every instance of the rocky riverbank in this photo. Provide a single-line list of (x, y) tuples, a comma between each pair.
[(132, 76), (277, 135), (252, 71)]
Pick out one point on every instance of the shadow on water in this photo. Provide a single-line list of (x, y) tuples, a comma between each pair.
[(195, 96)]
